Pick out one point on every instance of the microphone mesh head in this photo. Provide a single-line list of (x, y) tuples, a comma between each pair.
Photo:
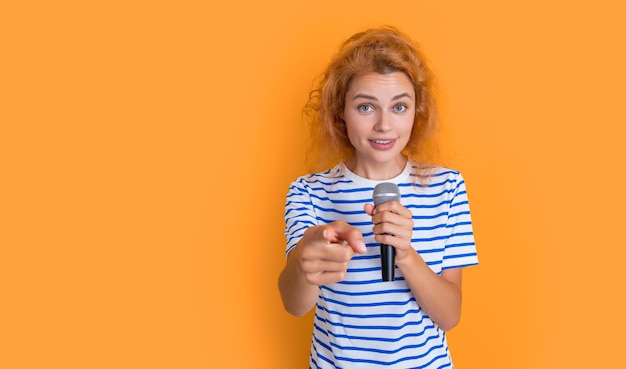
[(385, 192)]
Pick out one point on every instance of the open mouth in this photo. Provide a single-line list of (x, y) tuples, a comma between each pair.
[(382, 142)]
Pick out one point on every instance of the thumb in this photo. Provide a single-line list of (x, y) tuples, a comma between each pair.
[(369, 209)]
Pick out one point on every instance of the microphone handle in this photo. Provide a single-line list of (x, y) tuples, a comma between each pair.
[(388, 261)]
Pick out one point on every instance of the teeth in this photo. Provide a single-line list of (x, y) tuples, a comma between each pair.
[(382, 142)]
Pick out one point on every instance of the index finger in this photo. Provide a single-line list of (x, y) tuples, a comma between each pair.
[(339, 231)]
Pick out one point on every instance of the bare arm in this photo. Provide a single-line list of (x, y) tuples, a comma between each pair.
[(438, 296), (320, 257)]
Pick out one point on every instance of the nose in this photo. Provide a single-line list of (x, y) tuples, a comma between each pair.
[(383, 123)]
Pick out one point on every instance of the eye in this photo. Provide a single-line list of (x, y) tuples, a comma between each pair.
[(399, 108), (365, 108)]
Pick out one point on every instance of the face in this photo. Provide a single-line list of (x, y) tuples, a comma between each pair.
[(379, 112)]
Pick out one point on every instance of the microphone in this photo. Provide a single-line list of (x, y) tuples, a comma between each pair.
[(385, 192)]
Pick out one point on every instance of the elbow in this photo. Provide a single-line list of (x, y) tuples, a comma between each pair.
[(450, 322), (294, 305), (294, 311), (448, 326), (297, 297)]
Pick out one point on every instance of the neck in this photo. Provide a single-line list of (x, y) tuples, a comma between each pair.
[(377, 171)]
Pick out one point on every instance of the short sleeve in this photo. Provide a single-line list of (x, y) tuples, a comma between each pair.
[(460, 248), (299, 213)]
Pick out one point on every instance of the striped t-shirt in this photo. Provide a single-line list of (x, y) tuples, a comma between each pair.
[(363, 322)]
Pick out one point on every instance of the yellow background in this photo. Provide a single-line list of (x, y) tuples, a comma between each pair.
[(146, 148)]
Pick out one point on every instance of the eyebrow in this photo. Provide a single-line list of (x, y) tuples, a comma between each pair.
[(370, 97)]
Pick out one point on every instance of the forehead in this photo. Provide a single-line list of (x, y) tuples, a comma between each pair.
[(377, 83)]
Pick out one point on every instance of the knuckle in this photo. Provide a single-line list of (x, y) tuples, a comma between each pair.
[(345, 254), (305, 266), (305, 252), (354, 233), (310, 278), (341, 223), (309, 230), (341, 275)]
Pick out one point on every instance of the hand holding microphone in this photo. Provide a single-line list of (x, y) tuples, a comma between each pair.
[(393, 226)]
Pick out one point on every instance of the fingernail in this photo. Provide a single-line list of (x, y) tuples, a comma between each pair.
[(362, 246)]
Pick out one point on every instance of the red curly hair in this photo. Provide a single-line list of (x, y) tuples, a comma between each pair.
[(381, 50)]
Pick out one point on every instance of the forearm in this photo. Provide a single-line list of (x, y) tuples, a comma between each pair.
[(297, 294), (439, 297)]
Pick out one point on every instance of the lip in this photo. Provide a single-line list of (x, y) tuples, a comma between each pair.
[(382, 143)]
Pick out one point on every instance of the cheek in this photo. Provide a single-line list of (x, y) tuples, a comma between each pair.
[(408, 125), (352, 134), (350, 125)]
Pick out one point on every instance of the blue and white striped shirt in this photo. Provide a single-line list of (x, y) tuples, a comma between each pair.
[(363, 322)]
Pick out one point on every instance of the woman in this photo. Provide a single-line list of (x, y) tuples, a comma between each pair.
[(372, 117)]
